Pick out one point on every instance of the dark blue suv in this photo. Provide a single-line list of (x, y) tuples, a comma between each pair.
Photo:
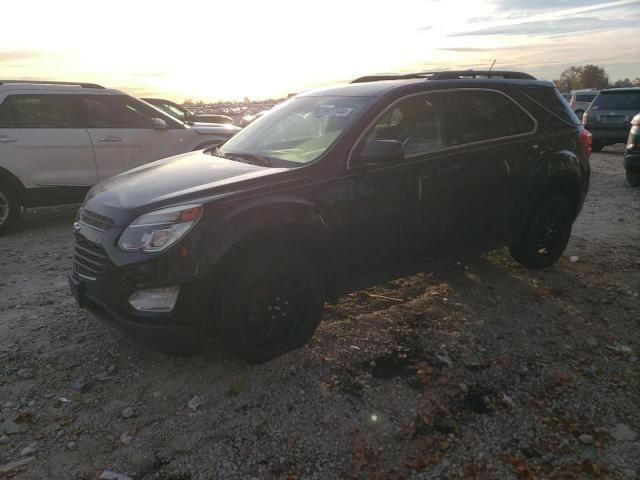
[(333, 190)]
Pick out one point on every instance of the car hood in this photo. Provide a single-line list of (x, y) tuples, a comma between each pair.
[(172, 180), (206, 128)]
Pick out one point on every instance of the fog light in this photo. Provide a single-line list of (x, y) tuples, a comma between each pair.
[(155, 299)]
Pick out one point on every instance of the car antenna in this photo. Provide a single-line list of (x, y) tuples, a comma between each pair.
[(492, 64)]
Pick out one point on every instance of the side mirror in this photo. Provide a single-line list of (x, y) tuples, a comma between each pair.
[(380, 151), (159, 124)]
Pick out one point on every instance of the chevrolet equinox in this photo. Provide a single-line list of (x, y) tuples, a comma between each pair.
[(333, 190)]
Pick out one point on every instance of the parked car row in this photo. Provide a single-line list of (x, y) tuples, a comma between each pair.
[(184, 115), (58, 140), (333, 190)]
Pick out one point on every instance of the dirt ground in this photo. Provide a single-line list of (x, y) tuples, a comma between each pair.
[(481, 369)]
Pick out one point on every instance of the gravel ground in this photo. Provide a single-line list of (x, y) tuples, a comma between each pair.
[(480, 369)]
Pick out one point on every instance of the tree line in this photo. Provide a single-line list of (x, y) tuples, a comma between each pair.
[(590, 76)]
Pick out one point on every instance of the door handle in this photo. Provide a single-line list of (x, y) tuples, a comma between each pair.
[(6, 139), (111, 138)]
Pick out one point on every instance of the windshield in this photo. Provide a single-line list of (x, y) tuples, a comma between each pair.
[(171, 110), (618, 101), (298, 131)]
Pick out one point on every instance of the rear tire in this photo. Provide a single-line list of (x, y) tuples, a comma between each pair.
[(273, 304), (9, 207), (633, 178), (546, 234)]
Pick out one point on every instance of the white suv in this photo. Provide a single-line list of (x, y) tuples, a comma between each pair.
[(59, 139), (581, 99)]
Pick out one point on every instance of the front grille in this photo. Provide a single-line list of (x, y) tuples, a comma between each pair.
[(95, 220), (89, 259)]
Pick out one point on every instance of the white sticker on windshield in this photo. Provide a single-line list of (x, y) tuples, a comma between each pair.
[(333, 111)]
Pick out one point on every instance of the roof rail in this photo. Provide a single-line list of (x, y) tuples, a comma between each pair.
[(46, 82), (377, 78), (448, 75), (454, 74)]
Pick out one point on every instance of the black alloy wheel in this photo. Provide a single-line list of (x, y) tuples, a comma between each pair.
[(547, 233), (273, 305)]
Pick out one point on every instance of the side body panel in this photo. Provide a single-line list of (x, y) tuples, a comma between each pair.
[(121, 148)]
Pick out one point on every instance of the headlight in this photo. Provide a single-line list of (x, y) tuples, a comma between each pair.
[(155, 231)]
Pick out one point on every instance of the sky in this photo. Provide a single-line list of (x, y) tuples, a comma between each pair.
[(228, 50)]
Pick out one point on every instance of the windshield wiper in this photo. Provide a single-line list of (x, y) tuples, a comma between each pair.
[(252, 158)]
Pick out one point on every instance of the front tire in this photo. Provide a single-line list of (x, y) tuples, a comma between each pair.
[(273, 304), (546, 234), (9, 207), (633, 178)]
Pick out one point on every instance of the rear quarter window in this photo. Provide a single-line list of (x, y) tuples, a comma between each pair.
[(555, 113)]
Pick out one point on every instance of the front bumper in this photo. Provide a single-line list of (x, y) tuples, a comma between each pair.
[(104, 278), (157, 330)]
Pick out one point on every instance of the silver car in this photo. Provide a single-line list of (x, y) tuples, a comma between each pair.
[(581, 99)]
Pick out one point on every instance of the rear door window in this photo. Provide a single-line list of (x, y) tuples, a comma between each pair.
[(38, 111), (487, 115), (618, 101)]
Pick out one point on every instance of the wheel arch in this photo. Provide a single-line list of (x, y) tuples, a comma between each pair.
[(567, 175), (294, 223), (566, 185), (12, 180)]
